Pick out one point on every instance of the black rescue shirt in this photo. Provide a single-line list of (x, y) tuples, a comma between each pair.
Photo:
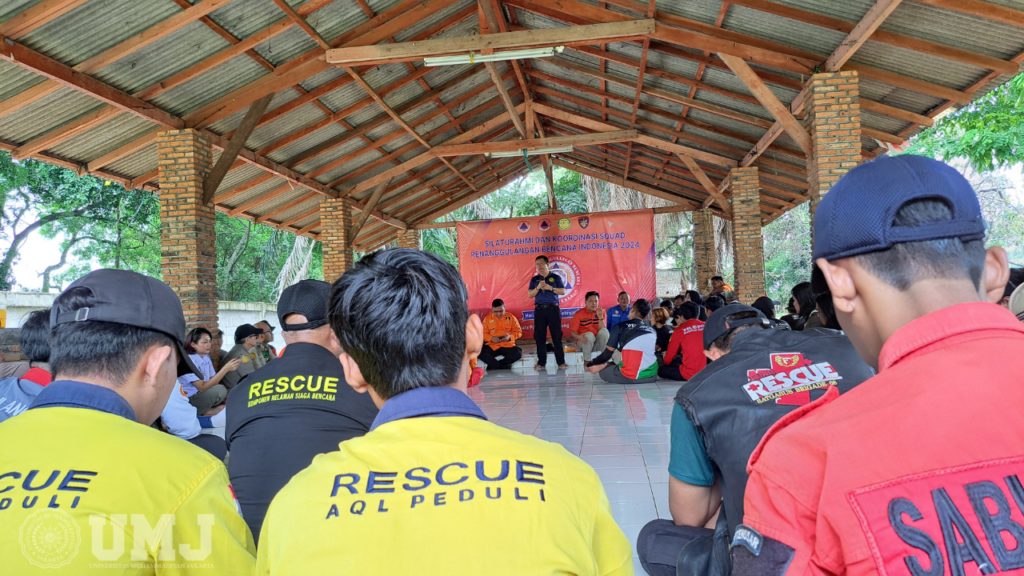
[(281, 416)]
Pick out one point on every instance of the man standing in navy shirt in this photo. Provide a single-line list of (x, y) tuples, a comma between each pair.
[(545, 288), (619, 313)]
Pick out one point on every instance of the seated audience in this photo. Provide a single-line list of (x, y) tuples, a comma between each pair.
[(246, 338), (659, 321), (447, 491), (696, 298), (1017, 303), (757, 376), (17, 392), (920, 466), (826, 311), (501, 330), (792, 319), (684, 356), (619, 313), (767, 307), (635, 340), (805, 306), (719, 285), (713, 303), (587, 327), (33, 340), (294, 408), (264, 351), (205, 394), (180, 418), (667, 305), (93, 491)]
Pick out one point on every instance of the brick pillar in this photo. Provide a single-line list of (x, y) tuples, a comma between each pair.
[(705, 256), (746, 233), (833, 121), (188, 246), (336, 221), (409, 239)]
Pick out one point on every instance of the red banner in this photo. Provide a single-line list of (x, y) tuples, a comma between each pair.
[(608, 252)]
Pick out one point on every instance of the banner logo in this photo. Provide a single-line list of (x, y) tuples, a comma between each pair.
[(49, 538), (544, 225), (789, 380), (564, 224), (523, 227), (583, 221), (568, 271)]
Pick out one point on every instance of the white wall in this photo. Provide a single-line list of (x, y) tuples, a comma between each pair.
[(232, 314)]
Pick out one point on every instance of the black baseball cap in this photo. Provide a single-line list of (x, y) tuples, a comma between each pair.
[(272, 327), (130, 298), (246, 330), (309, 298), (717, 325), (856, 216)]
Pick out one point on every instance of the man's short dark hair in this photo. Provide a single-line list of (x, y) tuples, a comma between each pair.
[(544, 258), (497, 302), (34, 336), (94, 347), (689, 310), (386, 284), (642, 307), (713, 303), (679, 297), (591, 293), (667, 304), (724, 342), (719, 278), (909, 262), (623, 292)]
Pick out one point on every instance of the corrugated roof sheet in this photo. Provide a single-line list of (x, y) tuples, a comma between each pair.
[(99, 24)]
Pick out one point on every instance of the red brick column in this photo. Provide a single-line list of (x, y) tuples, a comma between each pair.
[(336, 221), (188, 246), (409, 239), (746, 233), (833, 121), (705, 256)]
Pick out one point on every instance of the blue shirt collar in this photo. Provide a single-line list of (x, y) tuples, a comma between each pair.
[(72, 394), (430, 401)]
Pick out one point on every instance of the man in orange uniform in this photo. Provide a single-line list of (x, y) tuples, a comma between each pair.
[(587, 327), (501, 331), (919, 469)]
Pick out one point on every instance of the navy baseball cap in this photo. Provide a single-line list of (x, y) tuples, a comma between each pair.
[(125, 297), (718, 326), (856, 216)]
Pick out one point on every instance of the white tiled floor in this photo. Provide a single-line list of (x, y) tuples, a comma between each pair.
[(622, 431)]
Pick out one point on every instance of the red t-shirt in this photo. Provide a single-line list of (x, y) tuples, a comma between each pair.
[(688, 340), (920, 463)]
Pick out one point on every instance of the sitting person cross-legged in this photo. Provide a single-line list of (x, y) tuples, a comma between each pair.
[(501, 330), (684, 356), (635, 340), (208, 393), (433, 488), (587, 326)]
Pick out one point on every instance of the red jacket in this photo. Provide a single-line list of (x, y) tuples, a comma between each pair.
[(688, 340), (917, 470)]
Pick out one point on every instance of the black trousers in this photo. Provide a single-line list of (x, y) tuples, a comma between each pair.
[(671, 372), (545, 319), (509, 356), (213, 444), (660, 543)]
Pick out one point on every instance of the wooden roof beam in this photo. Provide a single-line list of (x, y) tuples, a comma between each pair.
[(234, 147), (455, 204), (535, 144), (371, 205), (981, 9), (28, 20), (306, 27), (860, 33), (413, 51), (631, 184), (65, 132)]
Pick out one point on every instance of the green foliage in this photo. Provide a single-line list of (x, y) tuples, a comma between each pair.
[(787, 252), (250, 257), (989, 133), (101, 223)]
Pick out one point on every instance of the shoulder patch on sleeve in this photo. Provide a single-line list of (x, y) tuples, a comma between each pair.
[(831, 394), (245, 359), (754, 555)]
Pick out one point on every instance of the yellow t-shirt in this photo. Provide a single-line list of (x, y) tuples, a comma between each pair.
[(85, 490), (446, 496)]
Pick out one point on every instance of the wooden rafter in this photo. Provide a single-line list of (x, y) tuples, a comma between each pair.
[(412, 51), (860, 33), (371, 204), (65, 132), (235, 145), (536, 143), (26, 21)]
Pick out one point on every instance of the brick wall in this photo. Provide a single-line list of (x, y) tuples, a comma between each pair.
[(187, 234), (409, 239), (833, 121), (746, 232), (705, 256), (336, 223)]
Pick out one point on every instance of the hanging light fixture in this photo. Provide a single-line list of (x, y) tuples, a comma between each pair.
[(474, 57)]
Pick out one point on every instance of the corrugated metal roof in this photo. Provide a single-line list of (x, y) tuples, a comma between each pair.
[(99, 24)]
